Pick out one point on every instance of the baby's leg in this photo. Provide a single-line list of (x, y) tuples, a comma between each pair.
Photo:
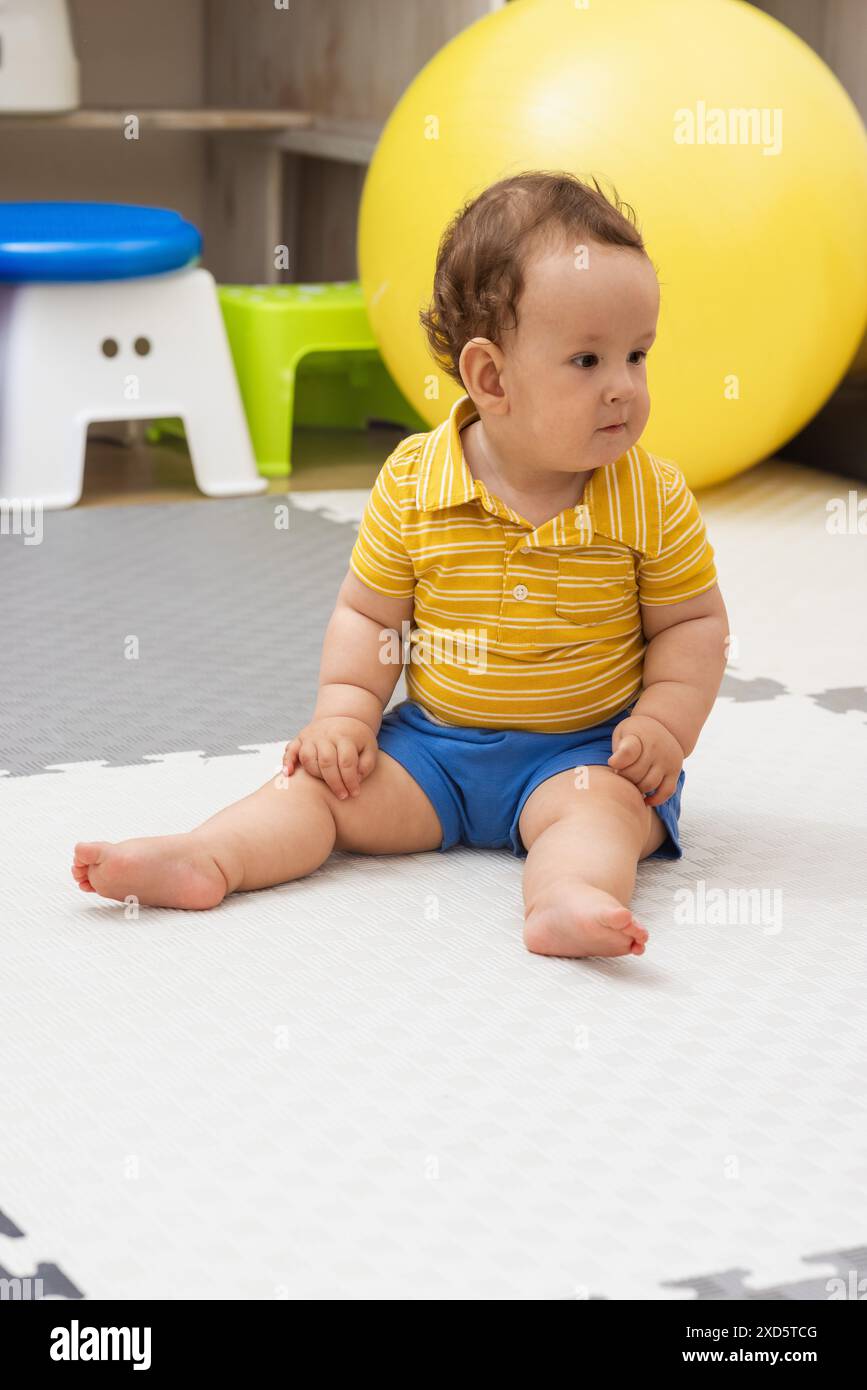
[(583, 847), (282, 831)]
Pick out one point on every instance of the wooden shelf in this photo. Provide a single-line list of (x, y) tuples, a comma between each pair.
[(328, 137), (253, 199), (194, 119), (295, 132)]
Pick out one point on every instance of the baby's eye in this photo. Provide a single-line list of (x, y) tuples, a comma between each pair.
[(593, 359)]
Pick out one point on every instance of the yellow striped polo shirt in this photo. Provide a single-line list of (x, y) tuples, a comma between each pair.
[(524, 627)]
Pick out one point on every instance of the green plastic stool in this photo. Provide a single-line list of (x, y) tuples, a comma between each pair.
[(304, 355)]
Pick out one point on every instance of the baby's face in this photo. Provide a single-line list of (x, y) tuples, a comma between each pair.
[(576, 361)]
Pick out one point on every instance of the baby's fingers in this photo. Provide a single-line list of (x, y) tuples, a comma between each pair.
[(326, 758), (347, 760), (652, 780), (290, 754), (663, 791), (630, 774), (625, 754), (367, 759)]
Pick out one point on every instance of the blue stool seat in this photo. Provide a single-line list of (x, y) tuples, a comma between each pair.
[(92, 241)]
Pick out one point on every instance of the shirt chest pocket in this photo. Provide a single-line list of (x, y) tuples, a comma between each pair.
[(597, 593)]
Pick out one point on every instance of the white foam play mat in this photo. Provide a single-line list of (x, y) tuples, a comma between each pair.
[(360, 1084)]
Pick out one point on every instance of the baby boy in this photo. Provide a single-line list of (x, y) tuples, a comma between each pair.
[(546, 584)]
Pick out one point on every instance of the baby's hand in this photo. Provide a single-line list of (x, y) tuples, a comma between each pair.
[(339, 750), (648, 755)]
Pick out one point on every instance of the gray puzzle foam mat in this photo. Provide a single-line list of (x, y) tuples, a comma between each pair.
[(227, 608), (360, 1084)]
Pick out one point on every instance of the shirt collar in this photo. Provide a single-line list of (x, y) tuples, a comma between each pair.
[(622, 501)]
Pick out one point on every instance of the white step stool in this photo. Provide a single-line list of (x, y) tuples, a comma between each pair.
[(135, 346)]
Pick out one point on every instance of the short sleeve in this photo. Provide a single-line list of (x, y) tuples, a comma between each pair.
[(379, 557), (685, 564)]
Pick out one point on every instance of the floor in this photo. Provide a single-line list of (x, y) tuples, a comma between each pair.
[(121, 466), (360, 1084)]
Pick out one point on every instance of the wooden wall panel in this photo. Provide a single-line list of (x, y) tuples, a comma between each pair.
[(244, 218), (131, 55), (342, 58), (337, 57), (329, 196)]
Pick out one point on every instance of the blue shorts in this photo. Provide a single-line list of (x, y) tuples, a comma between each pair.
[(479, 779)]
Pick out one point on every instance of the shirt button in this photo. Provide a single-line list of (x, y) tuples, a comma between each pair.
[(525, 550), (520, 591)]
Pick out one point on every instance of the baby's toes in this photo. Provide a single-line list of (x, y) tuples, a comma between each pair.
[(637, 931), (79, 873), (639, 936), (621, 921), (87, 855), (87, 852)]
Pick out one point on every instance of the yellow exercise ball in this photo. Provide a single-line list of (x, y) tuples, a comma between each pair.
[(742, 155)]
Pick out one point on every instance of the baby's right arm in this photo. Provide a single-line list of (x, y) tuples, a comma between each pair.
[(357, 676), (353, 679)]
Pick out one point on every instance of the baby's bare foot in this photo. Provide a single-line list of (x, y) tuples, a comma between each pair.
[(158, 871), (583, 921)]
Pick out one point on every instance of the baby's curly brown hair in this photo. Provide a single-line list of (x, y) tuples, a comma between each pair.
[(484, 251)]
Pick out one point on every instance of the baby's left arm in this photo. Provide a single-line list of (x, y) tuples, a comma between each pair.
[(684, 663)]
